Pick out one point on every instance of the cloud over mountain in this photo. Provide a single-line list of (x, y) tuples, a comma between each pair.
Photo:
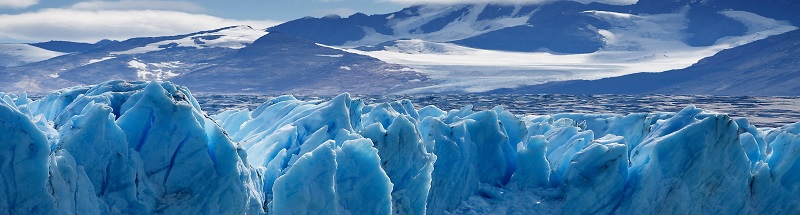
[(183, 6), (93, 22)]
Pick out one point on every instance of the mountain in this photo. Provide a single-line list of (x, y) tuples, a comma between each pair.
[(764, 67), (472, 48), (20, 54), (235, 59), (560, 27), (469, 25), (12, 55), (555, 26), (777, 9), (276, 63), (72, 47), (482, 47)]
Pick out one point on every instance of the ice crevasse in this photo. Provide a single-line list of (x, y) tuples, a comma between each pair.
[(147, 148)]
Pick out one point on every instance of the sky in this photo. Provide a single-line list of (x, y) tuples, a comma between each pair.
[(92, 20), (24, 21)]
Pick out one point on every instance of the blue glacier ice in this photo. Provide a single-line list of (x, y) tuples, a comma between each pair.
[(124, 148), (148, 148), (596, 178)]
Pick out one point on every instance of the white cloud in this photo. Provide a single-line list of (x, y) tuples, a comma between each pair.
[(139, 5), (616, 2), (94, 25), (18, 3)]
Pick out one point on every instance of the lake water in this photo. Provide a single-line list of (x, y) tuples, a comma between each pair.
[(762, 111)]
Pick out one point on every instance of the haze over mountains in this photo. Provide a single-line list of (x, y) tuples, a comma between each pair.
[(440, 49)]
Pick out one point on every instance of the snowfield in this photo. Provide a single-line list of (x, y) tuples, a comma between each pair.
[(467, 25), (634, 43), (147, 148), (235, 37)]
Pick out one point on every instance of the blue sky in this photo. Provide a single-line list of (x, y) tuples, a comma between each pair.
[(93, 20), (283, 10)]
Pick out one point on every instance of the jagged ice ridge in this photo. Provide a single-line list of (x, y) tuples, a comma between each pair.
[(148, 148)]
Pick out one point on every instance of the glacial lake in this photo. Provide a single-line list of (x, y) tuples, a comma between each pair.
[(761, 111)]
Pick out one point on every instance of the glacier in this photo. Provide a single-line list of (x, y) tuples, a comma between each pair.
[(148, 148)]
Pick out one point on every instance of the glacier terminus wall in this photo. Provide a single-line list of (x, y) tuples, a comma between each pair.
[(148, 148)]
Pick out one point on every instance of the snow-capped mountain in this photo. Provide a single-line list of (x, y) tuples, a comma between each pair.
[(637, 43), (236, 59), (558, 26), (276, 63), (479, 48), (421, 49), (20, 54), (12, 55), (764, 67), (470, 25)]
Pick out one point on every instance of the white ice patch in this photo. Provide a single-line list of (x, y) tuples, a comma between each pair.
[(330, 55), (141, 69), (417, 46), (233, 38), (171, 64), (610, 15), (98, 60), (758, 27), (345, 68), (406, 69), (154, 71)]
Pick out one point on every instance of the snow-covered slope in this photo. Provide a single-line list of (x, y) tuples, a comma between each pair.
[(417, 46), (237, 59), (279, 64), (442, 23), (144, 148), (461, 24), (635, 43), (148, 58), (426, 49), (478, 48), (764, 67), (557, 26), (232, 38), (20, 54)]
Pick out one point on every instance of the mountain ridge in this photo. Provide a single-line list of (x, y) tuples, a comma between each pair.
[(492, 26), (207, 58), (732, 71), (466, 48)]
